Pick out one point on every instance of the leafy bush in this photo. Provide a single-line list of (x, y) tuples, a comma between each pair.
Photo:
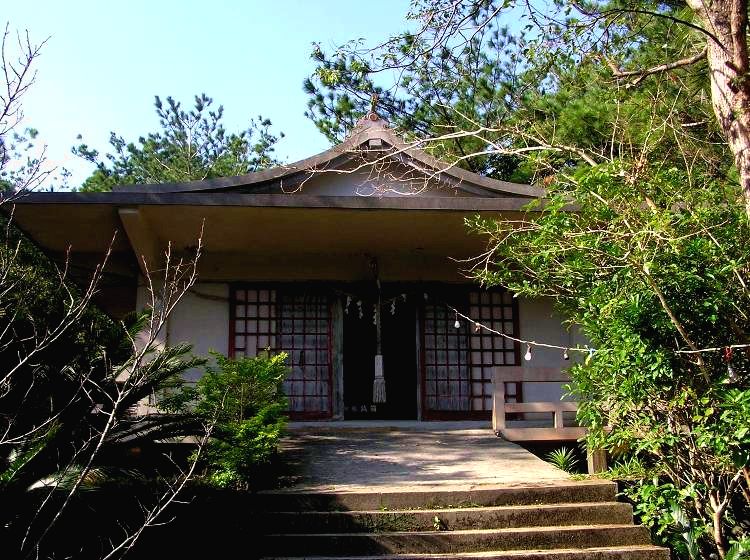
[(740, 550), (653, 266), (243, 401), (659, 506)]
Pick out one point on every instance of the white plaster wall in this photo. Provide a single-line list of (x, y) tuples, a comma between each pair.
[(143, 300), (202, 319), (539, 322)]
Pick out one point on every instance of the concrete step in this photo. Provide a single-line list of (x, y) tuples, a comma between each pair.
[(395, 498), (534, 538), (501, 517), (637, 552)]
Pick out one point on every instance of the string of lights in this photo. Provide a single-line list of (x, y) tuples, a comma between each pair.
[(714, 349), (478, 326), (727, 351)]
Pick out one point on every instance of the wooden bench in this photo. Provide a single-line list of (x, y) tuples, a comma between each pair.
[(596, 458), (500, 408)]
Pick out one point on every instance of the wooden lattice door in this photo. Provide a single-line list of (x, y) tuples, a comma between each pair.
[(458, 363), (295, 321)]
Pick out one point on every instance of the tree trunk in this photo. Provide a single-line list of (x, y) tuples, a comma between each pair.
[(717, 517), (727, 55)]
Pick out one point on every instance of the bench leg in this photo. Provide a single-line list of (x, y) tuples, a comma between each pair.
[(597, 460)]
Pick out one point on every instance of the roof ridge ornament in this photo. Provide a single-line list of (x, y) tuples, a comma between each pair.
[(370, 118)]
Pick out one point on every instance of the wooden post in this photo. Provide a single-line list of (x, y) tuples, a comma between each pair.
[(418, 346), (596, 459), (337, 353), (498, 404), (558, 421)]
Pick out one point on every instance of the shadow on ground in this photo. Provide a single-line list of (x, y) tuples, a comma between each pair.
[(341, 458)]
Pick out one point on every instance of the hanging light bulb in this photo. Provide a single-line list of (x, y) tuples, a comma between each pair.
[(566, 357), (732, 376), (477, 327), (591, 355), (527, 356), (457, 324)]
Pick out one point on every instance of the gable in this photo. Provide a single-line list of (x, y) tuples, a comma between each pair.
[(372, 161), (393, 180)]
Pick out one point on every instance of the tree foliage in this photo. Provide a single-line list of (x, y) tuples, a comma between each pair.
[(244, 398), (70, 377), (190, 145), (651, 272), (486, 85), (70, 380), (458, 89)]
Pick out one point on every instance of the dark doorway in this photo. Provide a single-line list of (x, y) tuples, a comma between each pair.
[(399, 347), (400, 361), (359, 364)]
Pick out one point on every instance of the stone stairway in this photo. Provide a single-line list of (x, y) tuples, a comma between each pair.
[(561, 521)]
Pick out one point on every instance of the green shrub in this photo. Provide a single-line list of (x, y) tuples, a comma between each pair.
[(564, 459), (653, 267), (243, 400)]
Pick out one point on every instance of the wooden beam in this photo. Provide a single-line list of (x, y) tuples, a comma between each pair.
[(515, 374), (562, 406), (498, 406), (144, 242), (542, 434), (420, 370)]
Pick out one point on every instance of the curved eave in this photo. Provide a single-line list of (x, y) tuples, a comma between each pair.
[(129, 199), (339, 154)]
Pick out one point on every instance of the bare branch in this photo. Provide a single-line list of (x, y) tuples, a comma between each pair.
[(642, 74)]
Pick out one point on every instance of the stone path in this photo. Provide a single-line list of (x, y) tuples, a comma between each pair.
[(356, 456)]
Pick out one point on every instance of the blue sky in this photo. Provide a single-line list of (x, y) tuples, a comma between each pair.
[(105, 61)]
